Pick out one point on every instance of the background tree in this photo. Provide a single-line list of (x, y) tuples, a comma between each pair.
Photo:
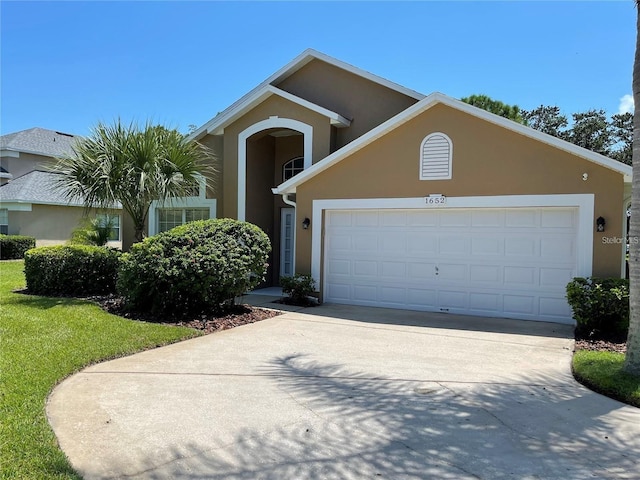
[(591, 130), (622, 132), (512, 112), (133, 166), (632, 357), (547, 119)]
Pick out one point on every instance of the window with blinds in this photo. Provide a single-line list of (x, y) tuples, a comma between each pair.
[(436, 152)]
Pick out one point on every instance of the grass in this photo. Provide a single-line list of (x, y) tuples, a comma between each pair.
[(602, 372), (42, 341)]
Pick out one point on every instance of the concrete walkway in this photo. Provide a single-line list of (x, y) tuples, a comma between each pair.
[(337, 392)]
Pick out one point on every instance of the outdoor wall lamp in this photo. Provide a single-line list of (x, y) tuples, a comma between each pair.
[(600, 223), (305, 223)]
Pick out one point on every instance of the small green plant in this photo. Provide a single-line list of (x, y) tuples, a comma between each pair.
[(198, 266), (69, 270), (95, 231), (13, 247), (600, 306), (299, 288)]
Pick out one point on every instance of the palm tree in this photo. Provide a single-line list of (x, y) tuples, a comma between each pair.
[(132, 166), (632, 359)]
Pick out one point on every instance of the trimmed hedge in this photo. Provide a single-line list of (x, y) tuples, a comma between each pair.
[(194, 267), (14, 246), (71, 270), (600, 306)]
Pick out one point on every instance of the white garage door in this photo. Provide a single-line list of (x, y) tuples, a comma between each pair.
[(504, 262)]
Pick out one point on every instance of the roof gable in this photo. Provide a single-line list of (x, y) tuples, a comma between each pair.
[(216, 125), (438, 98), (296, 64)]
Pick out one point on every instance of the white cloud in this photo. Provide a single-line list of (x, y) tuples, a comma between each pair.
[(626, 104)]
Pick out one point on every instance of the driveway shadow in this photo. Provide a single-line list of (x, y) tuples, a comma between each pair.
[(364, 427), (386, 316)]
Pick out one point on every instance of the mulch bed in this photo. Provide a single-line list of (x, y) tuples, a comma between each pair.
[(235, 316), (601, 346)]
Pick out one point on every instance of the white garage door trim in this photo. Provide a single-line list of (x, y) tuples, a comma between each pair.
[(583, 202)]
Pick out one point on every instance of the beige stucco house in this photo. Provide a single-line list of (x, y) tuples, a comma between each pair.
[(391, 198), (31, 203)]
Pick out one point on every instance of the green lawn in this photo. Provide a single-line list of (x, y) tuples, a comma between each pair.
[(42, 341), (602, 372)]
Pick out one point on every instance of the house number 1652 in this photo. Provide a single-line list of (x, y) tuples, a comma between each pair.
[(436, 200)]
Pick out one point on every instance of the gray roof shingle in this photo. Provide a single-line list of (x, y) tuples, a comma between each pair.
[(39, 141), (36, 187)]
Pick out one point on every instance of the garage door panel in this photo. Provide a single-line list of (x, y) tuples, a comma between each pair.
[(392, 218), (339, 218), (449, 299), (487, 218), (421, 271), (522, 218), (448, 272), (512, 262), (393, 243), (339, 243), (422, 297), (424, 218), (393, 295), (487, 302), (486, 274), (556, 277), (520, 246), (366, 219), (521, 275), (368, 293), (339, 291), (560, 247), (453, 245), (339, 267), (455, 218), (519, 305), (553, 307), (559, 218), (394, 270), (365, 268), (422, 244), (487, 246)]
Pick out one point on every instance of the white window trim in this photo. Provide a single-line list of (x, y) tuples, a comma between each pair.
[(201, 201), (584, 203), (426, 139), (119, 227), (271, 122)]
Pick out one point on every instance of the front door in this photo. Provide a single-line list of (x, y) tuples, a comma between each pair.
[(287, 241)]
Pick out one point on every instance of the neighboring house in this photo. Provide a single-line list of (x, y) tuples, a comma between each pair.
[(396, 199), (30, 201)]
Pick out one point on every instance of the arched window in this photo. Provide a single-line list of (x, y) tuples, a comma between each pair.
[(436, 152), (292, 168)]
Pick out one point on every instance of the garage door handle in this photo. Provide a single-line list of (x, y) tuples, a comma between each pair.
[(437, 270)]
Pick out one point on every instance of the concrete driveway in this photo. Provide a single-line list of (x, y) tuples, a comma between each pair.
[(348, 393)]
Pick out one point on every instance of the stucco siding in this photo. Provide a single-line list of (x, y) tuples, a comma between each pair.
[(274, 106), (49, 224), (487, 161), (367, 104)]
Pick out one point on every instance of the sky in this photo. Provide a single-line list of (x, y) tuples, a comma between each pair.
[(68, 65)]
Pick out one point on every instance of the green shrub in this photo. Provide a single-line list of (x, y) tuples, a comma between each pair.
[(600, 306), (298, 287), (194, 267), (71, 270), (14, 246)]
